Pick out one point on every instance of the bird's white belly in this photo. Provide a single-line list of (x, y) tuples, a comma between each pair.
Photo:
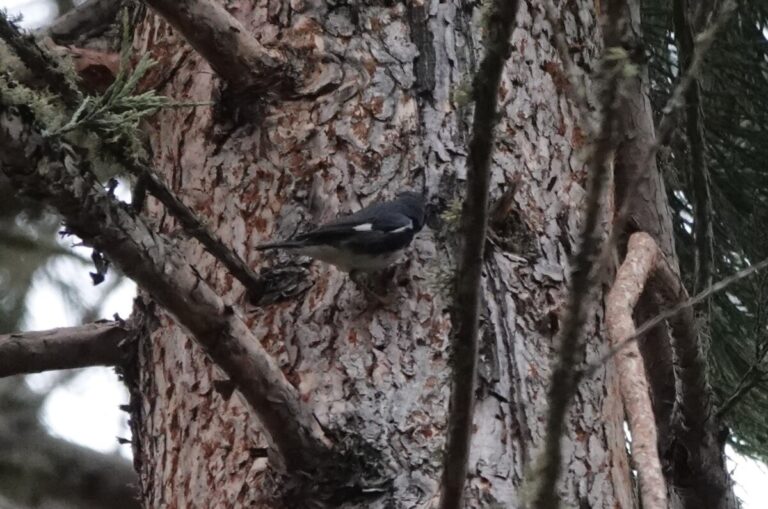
[(348, 261)]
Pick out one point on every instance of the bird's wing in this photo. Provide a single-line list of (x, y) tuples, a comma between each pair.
[(366, 225)]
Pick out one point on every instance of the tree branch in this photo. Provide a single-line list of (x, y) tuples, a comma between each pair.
[(41, 62), (95, 344), (62, 471), (18, 241), (228, 47), (695, 457), (474, 221), (694, 460), (45, 168), (619, 307), (702, 42), (89, 18)]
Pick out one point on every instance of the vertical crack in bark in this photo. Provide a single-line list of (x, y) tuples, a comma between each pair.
[(474, 222)]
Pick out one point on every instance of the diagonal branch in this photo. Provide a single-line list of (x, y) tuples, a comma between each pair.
[(619, 306), (40, 62), (88, 18), (474, 220), (228, 47), (702, 43), (94, 344), (43, 64), (47, 169)]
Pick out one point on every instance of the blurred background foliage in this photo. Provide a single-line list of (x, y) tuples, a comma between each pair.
[(734, 113), (45, 283)]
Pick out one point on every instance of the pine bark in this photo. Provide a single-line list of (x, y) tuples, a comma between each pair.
[(388, 116)]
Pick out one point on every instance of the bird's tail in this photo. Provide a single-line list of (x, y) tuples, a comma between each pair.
[(286, 244)]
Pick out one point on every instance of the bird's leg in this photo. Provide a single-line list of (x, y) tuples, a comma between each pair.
[(363, 282)]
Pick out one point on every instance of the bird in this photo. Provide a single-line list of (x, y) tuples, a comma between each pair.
[(370, 240)]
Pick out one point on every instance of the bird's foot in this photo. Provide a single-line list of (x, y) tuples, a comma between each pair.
[(375, 286)]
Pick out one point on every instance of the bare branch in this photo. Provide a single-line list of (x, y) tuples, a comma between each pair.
[(45, 168), (228, 47), (751, 379), (20, 242), (94, 344), (620, 304), (59, 470), (474, 221), (702, 42), (196, 228)]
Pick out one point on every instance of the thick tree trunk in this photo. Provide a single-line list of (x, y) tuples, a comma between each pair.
[(388, 117)]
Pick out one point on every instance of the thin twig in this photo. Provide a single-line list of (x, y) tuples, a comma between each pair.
[(474, 220), (19, 241), (751, 379), (694, 129), (702, 43)]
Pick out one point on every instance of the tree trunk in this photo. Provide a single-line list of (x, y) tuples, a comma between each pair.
[(388, 116)]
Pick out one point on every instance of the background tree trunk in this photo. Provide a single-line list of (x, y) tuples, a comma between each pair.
[(388, 116)]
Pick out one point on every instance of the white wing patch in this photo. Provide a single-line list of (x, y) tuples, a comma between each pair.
[(409, 226), (365, 227)]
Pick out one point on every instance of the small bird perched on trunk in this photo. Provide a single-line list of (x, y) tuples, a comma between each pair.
[(369, 240)]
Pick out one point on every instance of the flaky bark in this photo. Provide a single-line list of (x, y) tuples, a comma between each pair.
[(474, 223), (380, 373)]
